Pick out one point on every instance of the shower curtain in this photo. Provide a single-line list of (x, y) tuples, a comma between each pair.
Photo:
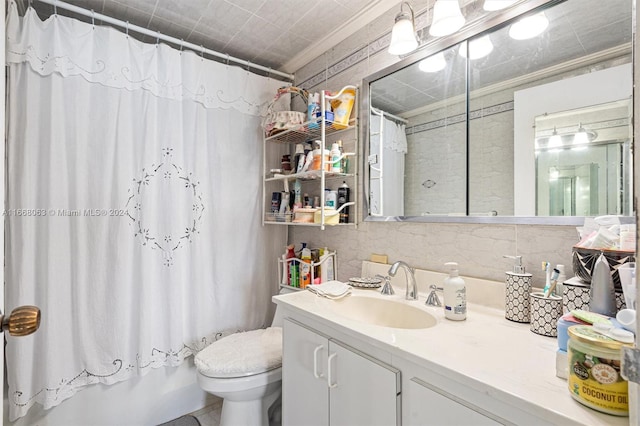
[(387, 188), (134, 205)]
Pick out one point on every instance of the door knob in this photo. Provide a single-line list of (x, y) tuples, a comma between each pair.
[(23, 321)]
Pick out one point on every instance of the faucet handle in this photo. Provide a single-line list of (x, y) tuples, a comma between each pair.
[(432, 299), (387, 290)]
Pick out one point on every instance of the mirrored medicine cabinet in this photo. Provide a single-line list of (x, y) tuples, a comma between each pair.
[(494, 126)]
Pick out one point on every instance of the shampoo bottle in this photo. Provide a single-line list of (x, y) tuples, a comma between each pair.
[(292, 265), (336, 164), (455, 294), (305, 267)]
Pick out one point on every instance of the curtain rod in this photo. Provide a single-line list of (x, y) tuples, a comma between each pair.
[(93, 15), (388, 114)]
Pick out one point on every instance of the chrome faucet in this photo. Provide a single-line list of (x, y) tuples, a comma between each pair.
[(412, 287)]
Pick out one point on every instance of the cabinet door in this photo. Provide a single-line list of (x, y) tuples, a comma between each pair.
[(363, 390), (429, 405), (305, 395)]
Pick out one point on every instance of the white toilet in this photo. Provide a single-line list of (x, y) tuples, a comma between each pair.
[(245, 369)]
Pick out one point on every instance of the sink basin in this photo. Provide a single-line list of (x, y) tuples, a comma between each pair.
[(386, 313)]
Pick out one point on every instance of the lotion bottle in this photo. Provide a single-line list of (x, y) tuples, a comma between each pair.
[(454, 294)]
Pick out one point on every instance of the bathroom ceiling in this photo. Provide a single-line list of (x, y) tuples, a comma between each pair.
[(282, 34)]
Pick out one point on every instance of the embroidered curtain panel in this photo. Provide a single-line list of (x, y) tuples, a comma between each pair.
[(134, 205)]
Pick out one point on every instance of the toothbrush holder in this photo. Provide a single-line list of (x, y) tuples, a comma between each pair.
[(517, 289), (545, 313)]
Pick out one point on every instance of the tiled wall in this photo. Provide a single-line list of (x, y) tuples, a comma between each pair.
[(478, 248)]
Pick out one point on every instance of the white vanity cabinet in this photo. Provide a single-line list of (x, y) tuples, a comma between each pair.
[(325, 382)]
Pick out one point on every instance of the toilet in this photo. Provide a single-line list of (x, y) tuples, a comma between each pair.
[(245, 370)]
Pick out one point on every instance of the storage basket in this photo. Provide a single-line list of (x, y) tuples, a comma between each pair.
[(278, 121)]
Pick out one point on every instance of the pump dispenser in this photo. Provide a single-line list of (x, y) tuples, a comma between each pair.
[(454, 294), (517, 290)]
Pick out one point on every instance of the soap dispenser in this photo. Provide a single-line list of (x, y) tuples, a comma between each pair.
[(454, 294), (517, 290)]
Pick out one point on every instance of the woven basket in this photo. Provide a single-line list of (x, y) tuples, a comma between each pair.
[(278, 121)]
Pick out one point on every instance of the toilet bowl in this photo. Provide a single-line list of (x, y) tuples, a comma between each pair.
[(245, 370)]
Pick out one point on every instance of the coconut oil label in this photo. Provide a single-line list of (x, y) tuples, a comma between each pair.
[(596, 382)]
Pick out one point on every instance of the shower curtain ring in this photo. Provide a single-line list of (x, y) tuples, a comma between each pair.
[(202, 51), (126, 29), (158, 39), (93, 19), (227, 59), (55, 8), (248, 65), (181, 45)]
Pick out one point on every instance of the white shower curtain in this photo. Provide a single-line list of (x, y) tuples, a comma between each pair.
[(387, 188), (134, 205)]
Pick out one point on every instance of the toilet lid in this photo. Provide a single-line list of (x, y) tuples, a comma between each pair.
[(242, 354)]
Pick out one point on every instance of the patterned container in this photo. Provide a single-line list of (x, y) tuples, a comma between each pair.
[(516, 306), (545, 313), (576, 296), (584, 260)]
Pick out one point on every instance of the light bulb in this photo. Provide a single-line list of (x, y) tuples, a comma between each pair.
[(478, 48), (433, 63), (447, 18), (529, 27)]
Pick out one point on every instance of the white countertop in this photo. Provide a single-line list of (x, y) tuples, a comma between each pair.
[(485, 351)]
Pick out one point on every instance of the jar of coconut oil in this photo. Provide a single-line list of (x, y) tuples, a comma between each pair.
[(594, 371)]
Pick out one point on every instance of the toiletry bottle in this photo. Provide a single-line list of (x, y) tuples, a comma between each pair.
[(313, 110), (326, 266), (297, 187), (454, 294), (335, 158), (562, 277), (330, 198), (300, 157), (517, 290), (305, 268), (344, 162), (293, 266), (343, 198), (602, 294)]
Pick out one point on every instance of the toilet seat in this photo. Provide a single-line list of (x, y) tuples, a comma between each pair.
[(242, 354)]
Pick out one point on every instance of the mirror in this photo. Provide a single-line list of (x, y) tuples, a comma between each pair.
[(458, 132)]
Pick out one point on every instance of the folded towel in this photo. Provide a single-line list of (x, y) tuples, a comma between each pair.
[(330, 289)]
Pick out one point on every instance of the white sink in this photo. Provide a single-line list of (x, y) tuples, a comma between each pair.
[(383, 312)]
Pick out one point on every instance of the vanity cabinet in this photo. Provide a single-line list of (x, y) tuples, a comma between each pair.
[(314, 181), (326, 382)]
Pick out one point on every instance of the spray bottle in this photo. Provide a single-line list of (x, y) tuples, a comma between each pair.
[(455, 294)]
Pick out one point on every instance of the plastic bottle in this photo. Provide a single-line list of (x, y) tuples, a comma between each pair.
[(455, 294), (297, 197), (344, 163), (305, 267), (326, 266), (343, 198), (313, 110), (330, 198), (335, 158), (562, 277), (300, 157), (292, 279), (291, 265)]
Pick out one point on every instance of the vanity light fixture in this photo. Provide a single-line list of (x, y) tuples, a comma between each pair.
[(433, 63), (403, 34), (529, 27), (478, 48), (447, 18), (492, 5)]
